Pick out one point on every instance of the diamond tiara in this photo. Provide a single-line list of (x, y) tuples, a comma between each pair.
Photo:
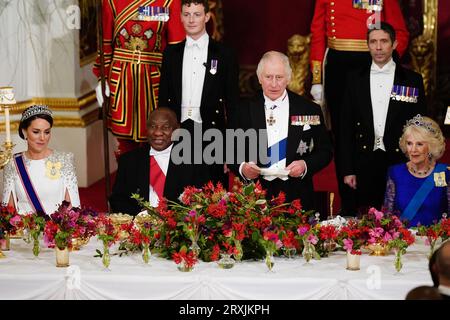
[(35, 110), (418, 121)]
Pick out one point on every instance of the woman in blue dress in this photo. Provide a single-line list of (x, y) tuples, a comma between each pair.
[(419, 190)]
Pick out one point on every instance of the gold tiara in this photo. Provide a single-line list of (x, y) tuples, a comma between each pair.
[(418, 121), (35, 110)]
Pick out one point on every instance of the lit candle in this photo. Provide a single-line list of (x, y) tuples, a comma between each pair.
[(7, 99), (7, 125)]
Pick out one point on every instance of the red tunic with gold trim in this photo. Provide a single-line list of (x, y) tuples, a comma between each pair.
[(342, 25), (135, 35)]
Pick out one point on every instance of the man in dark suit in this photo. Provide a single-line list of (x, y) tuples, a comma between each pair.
[(443, 268), (199, 81), (291, 133), (378, 101), (150, 171)]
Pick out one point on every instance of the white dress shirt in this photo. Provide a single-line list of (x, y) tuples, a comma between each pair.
[(194, 61), (381, 82), (279, 110), (162, 158)]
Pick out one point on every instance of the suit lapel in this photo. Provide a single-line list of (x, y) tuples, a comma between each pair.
[(178, 71), (366, 104), (292, 138), (257, 113), (144, 178)]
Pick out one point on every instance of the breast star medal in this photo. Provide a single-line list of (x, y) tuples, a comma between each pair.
[(53, 169)]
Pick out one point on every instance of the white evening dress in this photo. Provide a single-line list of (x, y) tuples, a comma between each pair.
[(51, 177)]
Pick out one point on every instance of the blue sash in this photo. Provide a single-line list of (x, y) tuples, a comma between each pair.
[(417, 200), (277, 152), (27, 184)]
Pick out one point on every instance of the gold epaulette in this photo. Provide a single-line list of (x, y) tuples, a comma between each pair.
[(316, 72)]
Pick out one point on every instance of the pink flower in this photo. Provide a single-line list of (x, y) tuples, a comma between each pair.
[(312, 239), (348, 244), (395, 234), (387, 237), (279, 244), (15, 220), (302, 230), (378, 214), (376, 232)]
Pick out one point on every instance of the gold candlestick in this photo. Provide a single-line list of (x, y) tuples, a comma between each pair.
[(331, 204), (6, 100)]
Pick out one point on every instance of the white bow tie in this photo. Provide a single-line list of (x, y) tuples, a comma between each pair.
[(387, 69), (154, 152), (191, 43)]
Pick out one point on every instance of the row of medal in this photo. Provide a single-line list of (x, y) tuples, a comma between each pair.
[(405, 94), (373, 5), (302, 120), (151, 13)]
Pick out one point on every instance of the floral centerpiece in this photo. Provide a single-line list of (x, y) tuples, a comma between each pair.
[(142, 234), (10, 222), (33, 225), (307, 233), (107, 234), (382, 228), (211, 221), (85, 227), (327, 235), (352, 237), (435, 232), (185, 259), (401, 241), (61, 227)]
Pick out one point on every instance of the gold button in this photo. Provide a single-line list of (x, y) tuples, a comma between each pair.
[(332, 3), (213, 123), (334, 37), (364, 147), (332, 10), (332, 17), (397, 150), (333, 24), (217, 111), (333, 30)]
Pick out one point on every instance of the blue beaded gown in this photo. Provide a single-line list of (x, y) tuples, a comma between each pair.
[(402, 186)]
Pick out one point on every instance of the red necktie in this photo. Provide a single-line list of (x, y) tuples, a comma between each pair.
[(157, 177)]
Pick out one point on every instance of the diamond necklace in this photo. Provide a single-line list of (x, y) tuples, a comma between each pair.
[(419, 173)]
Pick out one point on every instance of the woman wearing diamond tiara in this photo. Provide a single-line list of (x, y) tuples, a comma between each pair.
[(419, 189), (39, 179)]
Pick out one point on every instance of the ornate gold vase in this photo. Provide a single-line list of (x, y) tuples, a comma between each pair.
[(378, 249), (62, 257)]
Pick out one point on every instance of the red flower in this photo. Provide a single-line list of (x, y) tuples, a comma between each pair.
[(215, 253), (217, 210), (327, 232), (296, 204)]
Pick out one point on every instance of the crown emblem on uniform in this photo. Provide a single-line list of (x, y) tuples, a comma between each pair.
[(419, 121), (35, 110)]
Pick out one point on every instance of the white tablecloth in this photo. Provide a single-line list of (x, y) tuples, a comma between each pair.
[(22, 276)]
